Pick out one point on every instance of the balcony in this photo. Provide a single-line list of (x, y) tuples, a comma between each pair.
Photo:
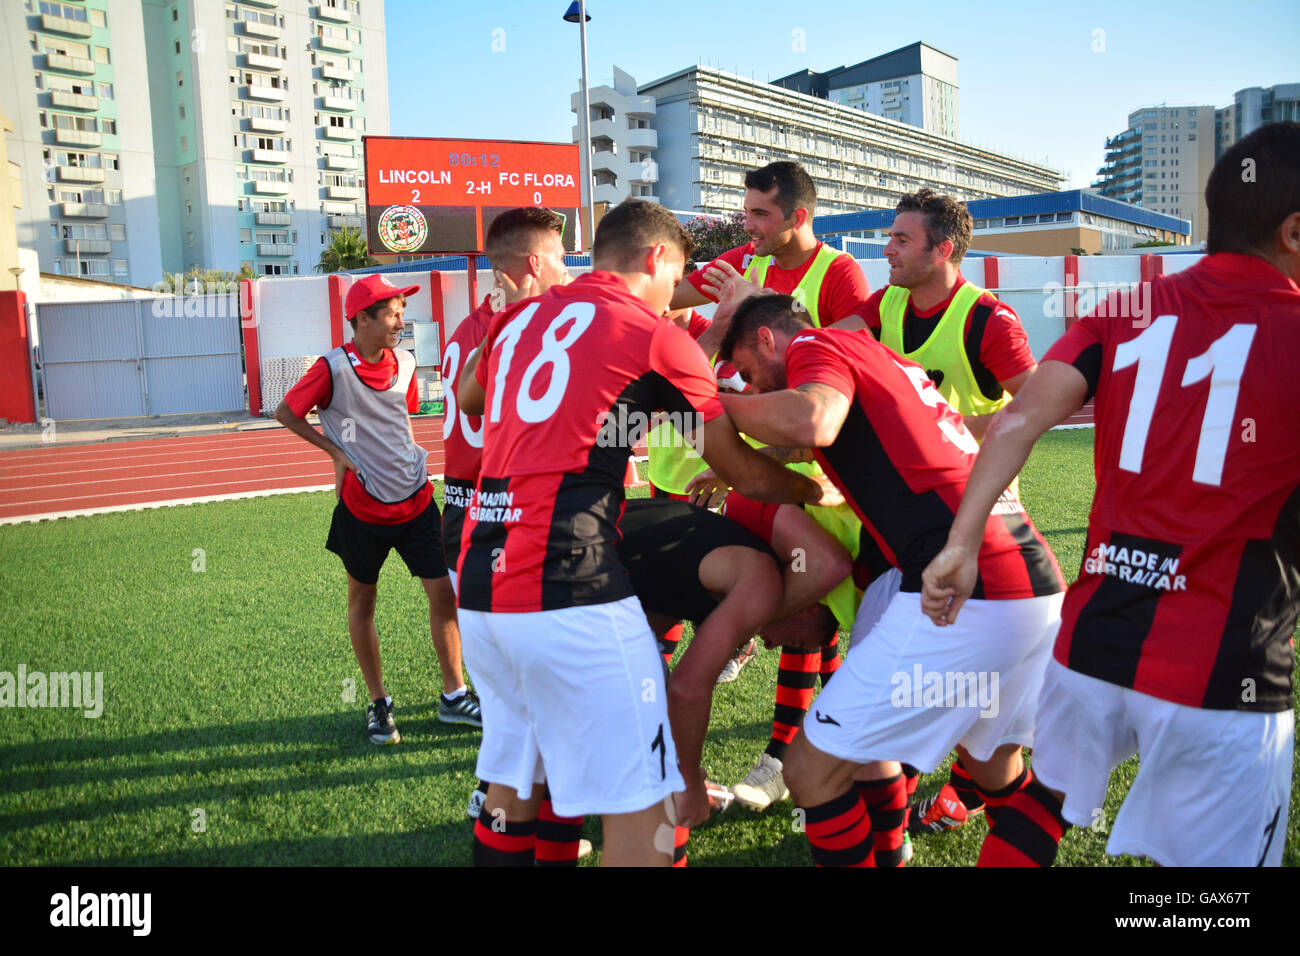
[(68, 64), (340, 162), (84, 210), (73, 101), (77, 137), (343, 192), (338, 132), (272, 218), (261, 61), (604, 159), (263, 3), (642, 139), (336, 14), (263, 31), (347, 222), (274, 249), (52, 24), (602, 127), (337, 103), (339, 208), (337, 44), (80, 174), (336, 73), (270, 155), (85, 247), (260, 125), (268, 187), (264, 93), (643, 107)]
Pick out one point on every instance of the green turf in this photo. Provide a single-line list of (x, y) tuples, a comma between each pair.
[(225, 692)]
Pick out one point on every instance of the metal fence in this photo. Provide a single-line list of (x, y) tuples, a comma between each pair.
[(136, 357)]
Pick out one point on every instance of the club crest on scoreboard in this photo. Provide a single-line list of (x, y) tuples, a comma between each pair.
[(402, 228)]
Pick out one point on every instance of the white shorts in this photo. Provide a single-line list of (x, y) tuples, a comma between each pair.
[(910, 691), (874, 602), (455, 582), (575, 697), (1213, 787)]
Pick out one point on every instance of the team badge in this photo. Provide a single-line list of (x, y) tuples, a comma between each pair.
[(402, 228)]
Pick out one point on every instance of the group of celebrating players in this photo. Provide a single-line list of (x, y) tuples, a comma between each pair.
[(864, 448)]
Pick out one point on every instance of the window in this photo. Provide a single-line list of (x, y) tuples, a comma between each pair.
[(185, 143), (176, 45), (175, 16), (101, 55), (189, 239), (114, 196), (110, 161), (189, 208), (182, 110), (119, 267), (110, 127), (105, 90), (245, 235), (180, 78), (117, 232)]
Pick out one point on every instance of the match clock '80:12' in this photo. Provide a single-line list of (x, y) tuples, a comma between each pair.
[(470, 159)]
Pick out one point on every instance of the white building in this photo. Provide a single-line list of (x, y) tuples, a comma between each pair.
[(715, 126), (915, 84), (623, 141)]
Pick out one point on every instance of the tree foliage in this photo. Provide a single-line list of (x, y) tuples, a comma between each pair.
[(347, 250), (203, 281), (715, 236)]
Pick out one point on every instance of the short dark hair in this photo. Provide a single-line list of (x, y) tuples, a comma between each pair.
[(1252, 188), (372, 311), (794, 187), (513, 235), (781, 313), (630, 228), (945, 219)]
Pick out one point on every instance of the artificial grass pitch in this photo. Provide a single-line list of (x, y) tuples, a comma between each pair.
[(233, 719)]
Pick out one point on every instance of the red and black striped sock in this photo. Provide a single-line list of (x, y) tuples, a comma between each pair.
[(830, 654), (839, 831), (1025, 824), (886, 803), (557, 837), (668, 643), (911, 777), (796, 681), (962, 782), (680, 836), (503, 843)]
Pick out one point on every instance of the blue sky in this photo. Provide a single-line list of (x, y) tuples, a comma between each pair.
[(1031, 83)]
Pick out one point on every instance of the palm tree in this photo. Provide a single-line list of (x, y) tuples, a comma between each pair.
[(347, 250)]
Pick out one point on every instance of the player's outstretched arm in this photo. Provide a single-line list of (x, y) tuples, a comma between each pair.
[(753, 474), (686, 296), (809, 416), (1053, 393)]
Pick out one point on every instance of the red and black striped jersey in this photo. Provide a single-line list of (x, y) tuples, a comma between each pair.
[(571, 379), (1190, 586), (902, 459), (462, 435)]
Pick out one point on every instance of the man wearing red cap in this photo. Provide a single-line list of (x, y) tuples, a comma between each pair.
[(363, 392)]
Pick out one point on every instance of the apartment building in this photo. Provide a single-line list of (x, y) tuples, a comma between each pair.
[(1161, 161), (623, 141), (714, 126), (915, 84), (191, 132)]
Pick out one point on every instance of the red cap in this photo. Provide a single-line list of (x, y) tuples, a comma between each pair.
[(372, 289)]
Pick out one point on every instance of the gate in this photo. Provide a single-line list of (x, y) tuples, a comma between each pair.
[(130, 358)]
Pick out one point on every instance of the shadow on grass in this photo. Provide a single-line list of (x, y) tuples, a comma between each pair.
[(334, 742)]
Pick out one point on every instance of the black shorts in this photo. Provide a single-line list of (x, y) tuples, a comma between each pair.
[(662, 546), (364, 546)]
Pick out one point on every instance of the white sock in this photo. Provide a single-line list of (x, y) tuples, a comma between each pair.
[(455, 695)]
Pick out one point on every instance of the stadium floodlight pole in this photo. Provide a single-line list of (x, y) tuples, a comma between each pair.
[(577, 13)]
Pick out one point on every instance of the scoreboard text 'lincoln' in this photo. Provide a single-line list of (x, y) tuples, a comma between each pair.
[(440, 195)]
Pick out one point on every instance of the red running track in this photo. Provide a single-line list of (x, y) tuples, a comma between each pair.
[(111, 476)]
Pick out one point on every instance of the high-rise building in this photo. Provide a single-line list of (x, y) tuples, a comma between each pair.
[(915, 84), (182, 133), (714, 126), (1161, 161), (623, 141), (1258, 106)]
